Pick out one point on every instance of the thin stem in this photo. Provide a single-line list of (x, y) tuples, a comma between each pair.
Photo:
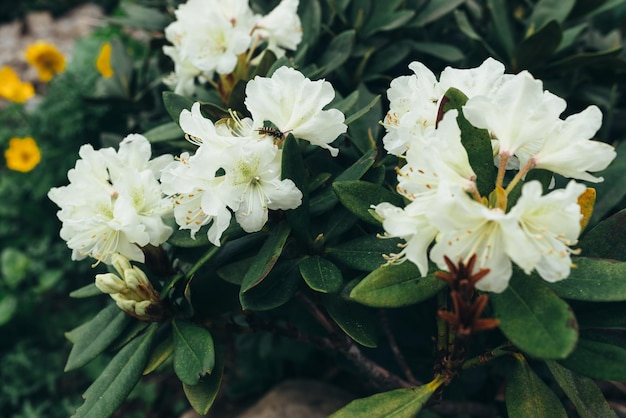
[(520, 174), (317, 313), (206, 257), (487, 357), (396, 350), (504, 158)]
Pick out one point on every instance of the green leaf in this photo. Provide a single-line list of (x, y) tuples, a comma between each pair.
[(399, 403), (357, 321), (502, 25), (159, 355), (14, 267), (537, 48), (466, 27), (476, 142), (8, 306), (311, 13), (599, 355), (601, 315), (364, 123), (385, 17), (358, 197), (570, 36), (582, 391), (592, 59), (141, 17), (606, 239), (96, 337), (593, 280), (237, 97), (175, 103), (534, 318), (321, 275), (266, 258), (338, 51), (194, 354), (202, 395), (611, 191), (235, 272), (396, 285), (118, 379), (443, 51), (86, 291), (182, 238), (268, 59), (293, 168), (528, 396), (339, 221), (549, 10), (327, 199), (434, 10), (347, 103), (166, 132), (363, 253), (278, 288), (362, 111)]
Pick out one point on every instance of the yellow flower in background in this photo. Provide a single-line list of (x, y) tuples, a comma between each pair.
[(46, 58), (23, 154), (103, 62), (12, 88)]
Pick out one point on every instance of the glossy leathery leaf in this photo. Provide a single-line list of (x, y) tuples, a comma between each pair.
[(539, 46), (547, 10), (593, 280), (358, 196), (364, 253), (277, 289), (534, 318), (357, 321), (611, 191), (293, 168), (606, 239), (266, 258), (338, 51), (528, 396), (160, 354), (396, 285), (599, 355), (194, 353), (321, 275), (85, 292), (202, 395), (166, 132), (175, 103), (435, 10)]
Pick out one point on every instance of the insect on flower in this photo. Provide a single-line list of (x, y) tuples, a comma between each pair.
[(275, 133)]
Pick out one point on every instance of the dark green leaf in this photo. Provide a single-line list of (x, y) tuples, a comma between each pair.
[(268, 59), (167, 132), (592, 59), (599, 355), (194, 354), (501, 22), (548, 10), (528, 396), (182, 238), (363, 125), (8, 306), (141, 17), (593, 280), (235, 272), (102, 330), (396, 285), (339, 221), (347, 103), (321, 275), (537, 48), (278, 288), (266, 258), (357, 321), (14, 267), (399, 403), (358, 197), (338, 51), (118, 379), (175, 103), (611, 191), (214, 111), (601, 315), (202, 395), (364, 253), (159, 355), (570, 36), (466, 27), (443, 51), (534, 318), (384, 17), (362, 111), (237, 97), (606, 240), (434, 10), (293, 168), (86, 292), (311, 13), (476, 142), (582, 391)]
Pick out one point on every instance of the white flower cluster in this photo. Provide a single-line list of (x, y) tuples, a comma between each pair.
[(114, 202), (209, 35), (445, 206), (237, 166)]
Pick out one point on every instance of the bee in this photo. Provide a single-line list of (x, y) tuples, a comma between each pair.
[(273, 132)]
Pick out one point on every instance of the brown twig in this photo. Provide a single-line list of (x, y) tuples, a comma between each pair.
[(396, 350)]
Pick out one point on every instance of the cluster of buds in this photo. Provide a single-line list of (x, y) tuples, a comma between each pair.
[(131, 290)]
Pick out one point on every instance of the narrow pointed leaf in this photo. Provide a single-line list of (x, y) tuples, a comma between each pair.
[(396, 285), (321, 275), (194, 354), (535, 319), (594, 280), (293, 168), (537, 48), (599, 355), (357, 321), (338, 51), (166, 132), (528, 396), (96, 337), (159, 355), (434, 10), (275, 290), (175, 103), (582, 391), (606, 239), (399, 403), (117, 380), (363, 253), (266, 258), (86, 292)]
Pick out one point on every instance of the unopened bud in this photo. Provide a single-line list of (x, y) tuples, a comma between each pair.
[(109, 283), (120, 263), (141, 308), (126, 305)]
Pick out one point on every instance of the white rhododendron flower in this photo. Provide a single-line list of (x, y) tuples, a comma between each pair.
[(294, 104), (281, 28), (114, 202), (415, 100), (536, 231)]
